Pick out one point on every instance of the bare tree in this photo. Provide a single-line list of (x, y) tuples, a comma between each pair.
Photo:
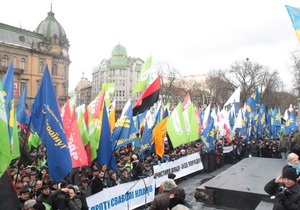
[(168, 75), (219, 89), (295, 68)]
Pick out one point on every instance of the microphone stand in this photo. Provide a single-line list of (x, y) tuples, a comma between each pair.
[(129, 191), (147, 193)]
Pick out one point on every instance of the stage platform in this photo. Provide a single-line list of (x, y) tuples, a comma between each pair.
[(242, 185)]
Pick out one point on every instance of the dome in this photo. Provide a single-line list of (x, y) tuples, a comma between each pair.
[(118, 57), (119, 50), (50, 27)]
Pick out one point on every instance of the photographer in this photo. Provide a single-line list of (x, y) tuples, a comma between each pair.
[(286, 190), (73, 202)]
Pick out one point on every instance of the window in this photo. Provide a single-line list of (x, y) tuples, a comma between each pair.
[(54, 69), (65, 90), (65, 72), (23, 64), (55, 88), (39, 83), (16, 64), (22, 86), (5, 61), (41, 67)]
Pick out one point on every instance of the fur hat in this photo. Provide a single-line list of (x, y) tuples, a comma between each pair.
[(289, 173), (29, 203), (168, 185)]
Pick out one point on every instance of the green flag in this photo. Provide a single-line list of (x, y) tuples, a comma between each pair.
[(5, 155), (34, 140), (144, 76), (176, 127), (191, 124), (83, 129), (109, 87), (15, 146)]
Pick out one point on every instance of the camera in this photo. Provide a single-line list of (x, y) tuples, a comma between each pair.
[(283, 189)]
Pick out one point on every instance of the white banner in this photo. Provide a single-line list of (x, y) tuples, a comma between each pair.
[(181, 167), (227, 149), (125, 196)]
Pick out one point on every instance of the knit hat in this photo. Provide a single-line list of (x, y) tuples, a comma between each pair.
[(45, 186), (171, 176), (289, 173), (62, 184), (39, 206)]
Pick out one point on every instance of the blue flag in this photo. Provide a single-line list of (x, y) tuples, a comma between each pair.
[(8, 87), (125, 131), (146, 139), (136, 144), (261, 124), (291, 124), (22, 109), (47, 122), (208, 136), (104, 153)]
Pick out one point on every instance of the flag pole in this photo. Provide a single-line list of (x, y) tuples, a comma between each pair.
[(22, 150)]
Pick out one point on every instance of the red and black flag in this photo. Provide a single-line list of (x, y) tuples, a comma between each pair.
[(147, 98), (8, 193)]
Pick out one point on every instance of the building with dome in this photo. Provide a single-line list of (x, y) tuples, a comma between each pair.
[(121, 70), (31, 51)]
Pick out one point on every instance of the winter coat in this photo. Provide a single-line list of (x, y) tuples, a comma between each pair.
[(292, 200)]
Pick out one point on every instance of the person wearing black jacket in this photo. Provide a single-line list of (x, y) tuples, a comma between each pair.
[(286, 190), (98, 183)]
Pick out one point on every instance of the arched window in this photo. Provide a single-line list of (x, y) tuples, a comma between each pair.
[(23, 64), (54, 69), (41, 67), (65, 89), (65, 72), (16, 63), (5, 61)]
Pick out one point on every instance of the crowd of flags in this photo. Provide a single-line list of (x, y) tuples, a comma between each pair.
[(76, 136)]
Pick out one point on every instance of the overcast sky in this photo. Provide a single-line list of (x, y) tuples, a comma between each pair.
[(194, 36)]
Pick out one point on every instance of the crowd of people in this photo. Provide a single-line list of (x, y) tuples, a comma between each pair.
[(37, 190)]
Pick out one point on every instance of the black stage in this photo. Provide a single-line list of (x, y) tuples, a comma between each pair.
[(242, 185)]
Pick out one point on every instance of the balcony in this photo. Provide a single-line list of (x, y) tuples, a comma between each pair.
[(17, 71)]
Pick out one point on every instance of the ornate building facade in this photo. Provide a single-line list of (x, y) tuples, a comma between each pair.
[(31, 51), (121, 70)]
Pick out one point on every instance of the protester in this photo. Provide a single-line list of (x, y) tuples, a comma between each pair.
[(73, 203), (98, 183), (177, 197), (28, 205), (39, 206), (85, 187), (161, 201), (286, 190), (284, 146), (147, 172), (24, 196), (46, 197), (125, 177), (113, 180)]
